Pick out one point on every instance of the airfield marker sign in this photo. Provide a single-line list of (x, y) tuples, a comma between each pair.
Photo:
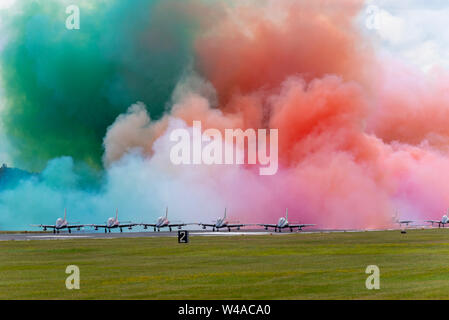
[(183, 236)]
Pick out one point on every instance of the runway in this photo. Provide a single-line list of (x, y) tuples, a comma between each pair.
[(64, 235)]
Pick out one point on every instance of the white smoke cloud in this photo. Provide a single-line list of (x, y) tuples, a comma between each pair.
[(141, 187)]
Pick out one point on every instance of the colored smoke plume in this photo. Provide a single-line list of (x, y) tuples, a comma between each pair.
[(361, 135)]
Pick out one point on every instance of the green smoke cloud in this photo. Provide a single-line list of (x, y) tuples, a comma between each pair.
[(63, 88)]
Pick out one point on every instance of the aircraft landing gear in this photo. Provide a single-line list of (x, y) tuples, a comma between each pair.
[(105, 230), (70, 231), (54, 230), (121, 230), (229, 229), (169, 228)]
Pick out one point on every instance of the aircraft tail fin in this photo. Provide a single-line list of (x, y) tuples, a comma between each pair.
[(116, 213), (286, 214), (166, 212), (225, 214), (65, 213)]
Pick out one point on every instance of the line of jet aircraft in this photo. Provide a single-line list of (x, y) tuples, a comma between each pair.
[(220, 223), (163, 222), (441, 223)]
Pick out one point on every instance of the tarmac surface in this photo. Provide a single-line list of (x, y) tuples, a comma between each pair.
[(115, 234), (64, 235)]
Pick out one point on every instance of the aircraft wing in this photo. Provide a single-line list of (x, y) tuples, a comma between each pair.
[(206, 224), (98, 225), (405, 221), (267, 225), (43, 226), (180, 224), (148, 224), (300, 226), (433, 221), (127, 225), (236, 225), (176, 224), (71, 226)]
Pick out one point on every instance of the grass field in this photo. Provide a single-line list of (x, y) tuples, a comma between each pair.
[(297, 266)]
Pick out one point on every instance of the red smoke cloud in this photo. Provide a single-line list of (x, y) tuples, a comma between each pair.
[(257, 47)]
